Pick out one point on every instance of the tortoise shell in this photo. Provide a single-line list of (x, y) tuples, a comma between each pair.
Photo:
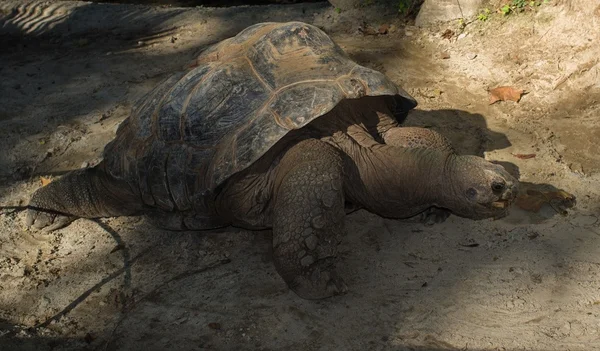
[(198, 128)]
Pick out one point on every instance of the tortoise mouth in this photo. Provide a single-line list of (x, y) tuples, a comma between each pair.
[(501, 204), (500, 208)]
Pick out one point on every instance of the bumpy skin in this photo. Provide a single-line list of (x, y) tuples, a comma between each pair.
[(84, 193), (415, 137), (308, 219)]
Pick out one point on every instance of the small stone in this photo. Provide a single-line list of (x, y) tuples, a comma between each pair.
[(444, 55), (85, 164), (140, 43), (565, 328), (409, 34), (532, 235), (307, 261), (516, 270), (471, 56), (537, 278), (392, 29), (462, 36), (181, 320), (576, 167)]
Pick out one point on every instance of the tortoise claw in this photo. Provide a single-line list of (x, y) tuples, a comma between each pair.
[(46, 221)]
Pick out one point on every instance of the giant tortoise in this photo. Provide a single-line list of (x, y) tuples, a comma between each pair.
[(276, 128)]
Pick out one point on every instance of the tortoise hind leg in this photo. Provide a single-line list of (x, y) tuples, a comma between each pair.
[(308, 219), (84, 193)]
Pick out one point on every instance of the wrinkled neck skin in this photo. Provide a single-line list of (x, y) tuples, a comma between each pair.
[(397, 182)]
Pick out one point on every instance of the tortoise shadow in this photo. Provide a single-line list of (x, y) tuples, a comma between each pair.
[(468, 132)]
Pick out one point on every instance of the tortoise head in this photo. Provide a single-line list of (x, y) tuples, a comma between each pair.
[(480, 189)]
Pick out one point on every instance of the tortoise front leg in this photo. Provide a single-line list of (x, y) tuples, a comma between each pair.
[(416, 137), (308, 219)]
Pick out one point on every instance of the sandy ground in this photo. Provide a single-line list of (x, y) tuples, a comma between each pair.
[(526, 282)]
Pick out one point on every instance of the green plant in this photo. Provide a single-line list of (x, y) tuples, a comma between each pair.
[(338, 10), (519, 4), (403, 7), (484, 15), (407, 7)]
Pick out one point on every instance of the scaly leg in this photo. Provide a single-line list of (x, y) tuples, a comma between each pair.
[(308, 219), (415, 137), (84, 193)]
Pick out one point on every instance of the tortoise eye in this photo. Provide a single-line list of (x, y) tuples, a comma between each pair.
[(498, 186)]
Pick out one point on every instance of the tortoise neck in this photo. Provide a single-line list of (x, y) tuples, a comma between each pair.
[(398, 182)]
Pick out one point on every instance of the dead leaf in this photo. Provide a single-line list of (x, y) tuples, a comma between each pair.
[(533, 200), (383, 29), (45, 181), (524, 156), (448, 34), (505, 93)]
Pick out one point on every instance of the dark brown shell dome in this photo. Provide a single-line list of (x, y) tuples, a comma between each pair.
[(197, 128)]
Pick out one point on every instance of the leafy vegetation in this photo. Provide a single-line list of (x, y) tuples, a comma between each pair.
[(484, 15), (408, 7), (515, 6)]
